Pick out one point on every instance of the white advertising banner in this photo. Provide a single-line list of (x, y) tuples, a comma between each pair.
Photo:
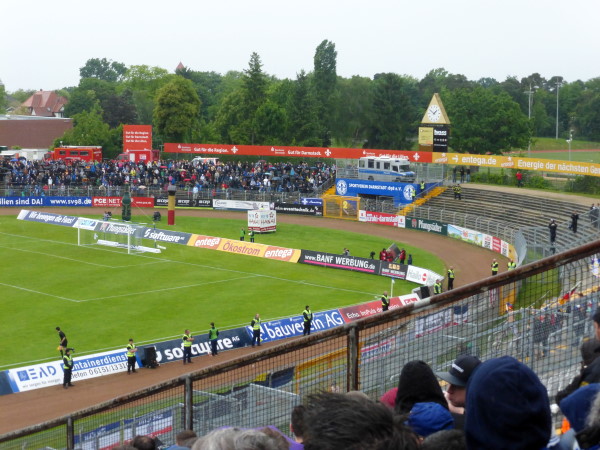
[(241, 205), (262, 221), (51, 373)]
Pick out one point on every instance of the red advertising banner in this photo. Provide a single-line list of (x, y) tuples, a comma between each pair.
[(115, 202), (295, 152), (355, 312), (392, 220), (137, 137)]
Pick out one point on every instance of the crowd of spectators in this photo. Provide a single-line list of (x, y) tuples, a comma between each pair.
[(499, 403), (45, 177)]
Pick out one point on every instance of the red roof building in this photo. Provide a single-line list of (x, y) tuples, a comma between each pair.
[(45, 104)]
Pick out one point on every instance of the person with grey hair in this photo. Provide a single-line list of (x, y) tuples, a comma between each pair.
[(242, 439)]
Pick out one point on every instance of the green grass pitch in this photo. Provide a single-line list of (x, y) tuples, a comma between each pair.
[(101, 296)]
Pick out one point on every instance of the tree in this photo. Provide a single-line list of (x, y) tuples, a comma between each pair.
[(270, 124), (587, 111), (88, 129), (236, 118), (177, 110), (103, 69), (484, 122), (3, 99), (22, 94), (392, 113), (228, 120), (304, 122), (353, 111), (254, 90), (120, 109), (81, 100), (89, 93), (144, 81), (324, 80)]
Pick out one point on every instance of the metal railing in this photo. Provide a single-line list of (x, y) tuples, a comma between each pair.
[(261, 388)]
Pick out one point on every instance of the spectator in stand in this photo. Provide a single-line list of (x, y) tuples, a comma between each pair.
[(428, 418), (417, 384), (184, 440), (143, 443), (445, 440), (582, 408), (457, 378), (297, 423), (507, 407), (519, 177), (337, 421), (267, 438)]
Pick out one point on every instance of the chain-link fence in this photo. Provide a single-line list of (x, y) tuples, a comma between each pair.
[(538, 313)]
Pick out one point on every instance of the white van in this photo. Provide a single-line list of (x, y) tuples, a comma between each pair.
[(383, 168)]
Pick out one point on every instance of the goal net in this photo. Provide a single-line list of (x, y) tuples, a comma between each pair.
[(119, 235)]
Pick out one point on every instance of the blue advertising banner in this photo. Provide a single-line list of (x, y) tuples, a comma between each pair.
[(46, 217), (45, 201), (312, 201), (173, 350), (401, 192), (294, 326)]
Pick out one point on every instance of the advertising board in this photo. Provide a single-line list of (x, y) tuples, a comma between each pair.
[(50, 374), (294, 208), (401, 192), (297, 152), (262, 221), (11, 202), (294, 326), (172, 350), (339, 261), (241, 205), (379, 218)]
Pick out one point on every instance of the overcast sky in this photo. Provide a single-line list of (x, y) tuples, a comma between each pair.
[(44, 43)]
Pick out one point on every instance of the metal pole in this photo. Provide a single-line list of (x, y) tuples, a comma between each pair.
[(558, 84)]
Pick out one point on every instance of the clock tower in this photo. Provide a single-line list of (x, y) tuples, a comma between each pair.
[(435, 127)]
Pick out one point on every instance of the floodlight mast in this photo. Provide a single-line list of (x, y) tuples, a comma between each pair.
[(530, 92)]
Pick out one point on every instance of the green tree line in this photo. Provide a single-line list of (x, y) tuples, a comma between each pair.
[(321, 108)]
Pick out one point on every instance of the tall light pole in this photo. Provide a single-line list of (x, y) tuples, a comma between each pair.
[(530, 93), (558, 85)]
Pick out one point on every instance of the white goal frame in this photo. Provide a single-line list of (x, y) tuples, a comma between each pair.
[(119, 235)]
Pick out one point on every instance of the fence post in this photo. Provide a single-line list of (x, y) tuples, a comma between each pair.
[(188, 408), (70, 434), (352, 359)]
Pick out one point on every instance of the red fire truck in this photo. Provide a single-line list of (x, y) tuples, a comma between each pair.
[(146, 155), (70, 153)]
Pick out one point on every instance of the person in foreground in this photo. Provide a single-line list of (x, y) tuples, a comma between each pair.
[(507, 407), (338, 421)]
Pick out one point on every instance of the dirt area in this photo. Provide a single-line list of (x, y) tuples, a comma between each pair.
[(29, 408)]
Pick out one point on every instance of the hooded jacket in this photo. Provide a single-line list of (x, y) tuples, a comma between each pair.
[(418, 384), (507, 407)]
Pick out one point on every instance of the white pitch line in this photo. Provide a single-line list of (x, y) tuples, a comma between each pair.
[(39, 293), (166, 289), (55, 256)]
